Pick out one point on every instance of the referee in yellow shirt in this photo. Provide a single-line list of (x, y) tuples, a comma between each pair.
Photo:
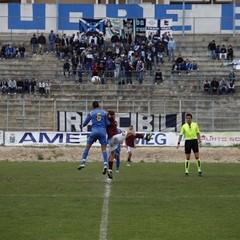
[(191, 133)]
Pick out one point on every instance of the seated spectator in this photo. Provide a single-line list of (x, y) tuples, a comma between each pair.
[(230, 53), (223, 86), (214, 86), (3, 52), (232, 76), (158, 77), (195, 65), (176, 64), (180, 64), (188, 66), (33, 87), (183, 67), (231, 87), (12, 86), (66, 68), (41, 87), (48, 87), (22, 52), (20, 85), (26, 85), (206, 86), (9, 51), (223, 52), (217, 52), (4, 86)]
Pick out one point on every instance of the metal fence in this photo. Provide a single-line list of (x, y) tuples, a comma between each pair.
[(42, 114)]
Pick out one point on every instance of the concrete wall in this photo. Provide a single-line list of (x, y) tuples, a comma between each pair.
[(194, 18)]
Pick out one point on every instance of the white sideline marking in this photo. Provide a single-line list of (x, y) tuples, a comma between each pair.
[(104, 220)]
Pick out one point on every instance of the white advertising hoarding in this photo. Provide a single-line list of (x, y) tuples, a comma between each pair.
[(80, 138), (1, 137)]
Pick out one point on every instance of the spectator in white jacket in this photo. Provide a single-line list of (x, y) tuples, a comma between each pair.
[(171, 49), (12, 86)]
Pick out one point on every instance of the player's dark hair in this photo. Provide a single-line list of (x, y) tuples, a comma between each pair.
[(95, 104), (111, 112), (189, 115)]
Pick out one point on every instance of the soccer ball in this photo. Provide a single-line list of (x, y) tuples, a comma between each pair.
[(96, 80)]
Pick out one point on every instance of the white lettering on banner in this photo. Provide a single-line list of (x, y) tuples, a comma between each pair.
[(220, 138), (26, 12), (71, 122), (74, 121), (74, 16), (80, 138), (45, 138), (61, 121), (145, 122), (122, 13)]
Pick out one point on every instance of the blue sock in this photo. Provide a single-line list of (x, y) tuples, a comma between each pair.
[(117, 164), (85, 154), (105, 159)]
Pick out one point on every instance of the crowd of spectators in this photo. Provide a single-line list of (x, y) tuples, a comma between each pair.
[(219, 52), (124, 59), (14, 86), (222, 86), (180, 65), (10, 51)]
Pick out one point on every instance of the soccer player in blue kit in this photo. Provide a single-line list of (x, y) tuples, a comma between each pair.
[(99, 125)]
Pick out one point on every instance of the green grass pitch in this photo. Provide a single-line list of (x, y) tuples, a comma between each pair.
[(55, 201)]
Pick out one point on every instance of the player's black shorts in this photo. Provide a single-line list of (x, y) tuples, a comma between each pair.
[(191, 145)]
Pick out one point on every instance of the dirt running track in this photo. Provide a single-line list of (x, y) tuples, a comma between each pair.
[(146, 154)]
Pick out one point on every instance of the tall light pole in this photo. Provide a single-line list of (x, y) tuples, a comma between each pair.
[(234, 15), (57, 15), (183, 20)]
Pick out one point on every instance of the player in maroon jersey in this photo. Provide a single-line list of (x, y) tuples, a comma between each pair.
[(130, 141), (114, 139)]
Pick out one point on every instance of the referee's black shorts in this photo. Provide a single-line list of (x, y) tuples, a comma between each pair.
[(191, 145)]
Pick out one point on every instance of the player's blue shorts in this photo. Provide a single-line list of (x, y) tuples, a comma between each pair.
[(97, 135), (118, 150)]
